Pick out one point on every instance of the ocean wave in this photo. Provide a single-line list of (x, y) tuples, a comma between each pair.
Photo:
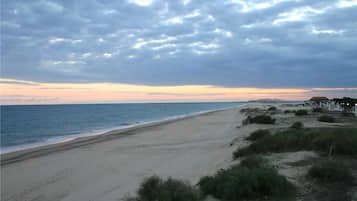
[(126, 125)]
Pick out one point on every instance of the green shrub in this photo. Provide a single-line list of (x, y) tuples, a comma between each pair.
[(248, 181), (253, 162), (317, 109), (258, 134), (301, 112), (156, 189), (272, 108), (331, 141), (262, 119), (337, 141), (249, 110), (297, 125), (326, 118), (331, 172), (291, 140), (289, 111)]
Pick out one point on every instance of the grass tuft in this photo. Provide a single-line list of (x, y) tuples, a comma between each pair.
[(297, 125), (156, 189), (272, 108), (260, 119), (301, 112), (331, 172), (289, 111), (326, 118), (258, 134), (317, 109), (254, 162)]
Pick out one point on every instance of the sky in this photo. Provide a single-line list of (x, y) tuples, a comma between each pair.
[(62, 51)]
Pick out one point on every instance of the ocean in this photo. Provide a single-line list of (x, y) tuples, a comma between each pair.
[(28, 126)]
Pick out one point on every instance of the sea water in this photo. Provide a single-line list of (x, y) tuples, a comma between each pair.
[(35, 125)]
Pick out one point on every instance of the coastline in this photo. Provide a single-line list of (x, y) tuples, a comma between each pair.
[(28, 152), (110, 166)]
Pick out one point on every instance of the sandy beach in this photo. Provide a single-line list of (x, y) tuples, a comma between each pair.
[(111, 166)]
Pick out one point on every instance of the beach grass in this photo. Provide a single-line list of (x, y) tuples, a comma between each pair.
[(289, 111), (297, 125), (259, 119), (317, 110), (301, 112), (252, 179), (156, 189), (331, 171), (326, 118), (258, 134), (330, 141), (272, 108)]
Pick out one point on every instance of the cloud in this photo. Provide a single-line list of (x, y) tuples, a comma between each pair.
[(180, 19), (185, 94), (141, 2), (346, 3), (297, 14), (69, 62), (327, 31), (109, 11), (140, 42), (225, 33), (270, 43), (52, 6), (107, 55), (251, 6), (203, 45), (164, 46), (56, 40), (16, 82)]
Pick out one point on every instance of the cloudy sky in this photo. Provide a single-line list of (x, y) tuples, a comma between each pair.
[(142, 50)]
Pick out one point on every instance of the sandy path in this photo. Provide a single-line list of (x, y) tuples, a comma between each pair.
[(185, 149)]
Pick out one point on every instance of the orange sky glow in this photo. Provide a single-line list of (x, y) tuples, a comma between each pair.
[(28, 92)]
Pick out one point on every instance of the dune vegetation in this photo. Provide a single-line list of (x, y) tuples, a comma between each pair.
[(156, 189), (331, 171), (329, 141), (259, 119), (326, 118), (301, 112), (254, 178)]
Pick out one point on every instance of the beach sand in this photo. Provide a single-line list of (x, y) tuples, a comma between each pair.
[(111, 166)]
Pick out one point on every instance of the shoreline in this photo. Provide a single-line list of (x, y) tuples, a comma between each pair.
[(101, 136), (113, 165)]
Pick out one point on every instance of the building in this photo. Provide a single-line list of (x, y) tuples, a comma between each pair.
[(345, 104), (319, 102)]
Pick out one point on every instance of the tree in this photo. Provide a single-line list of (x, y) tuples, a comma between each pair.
[(346, 103)]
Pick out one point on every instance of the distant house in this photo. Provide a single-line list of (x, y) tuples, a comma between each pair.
[(345, 104), (319, 101), (334, 106)]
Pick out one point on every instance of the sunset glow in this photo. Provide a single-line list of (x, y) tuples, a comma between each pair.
[(28, 92)]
